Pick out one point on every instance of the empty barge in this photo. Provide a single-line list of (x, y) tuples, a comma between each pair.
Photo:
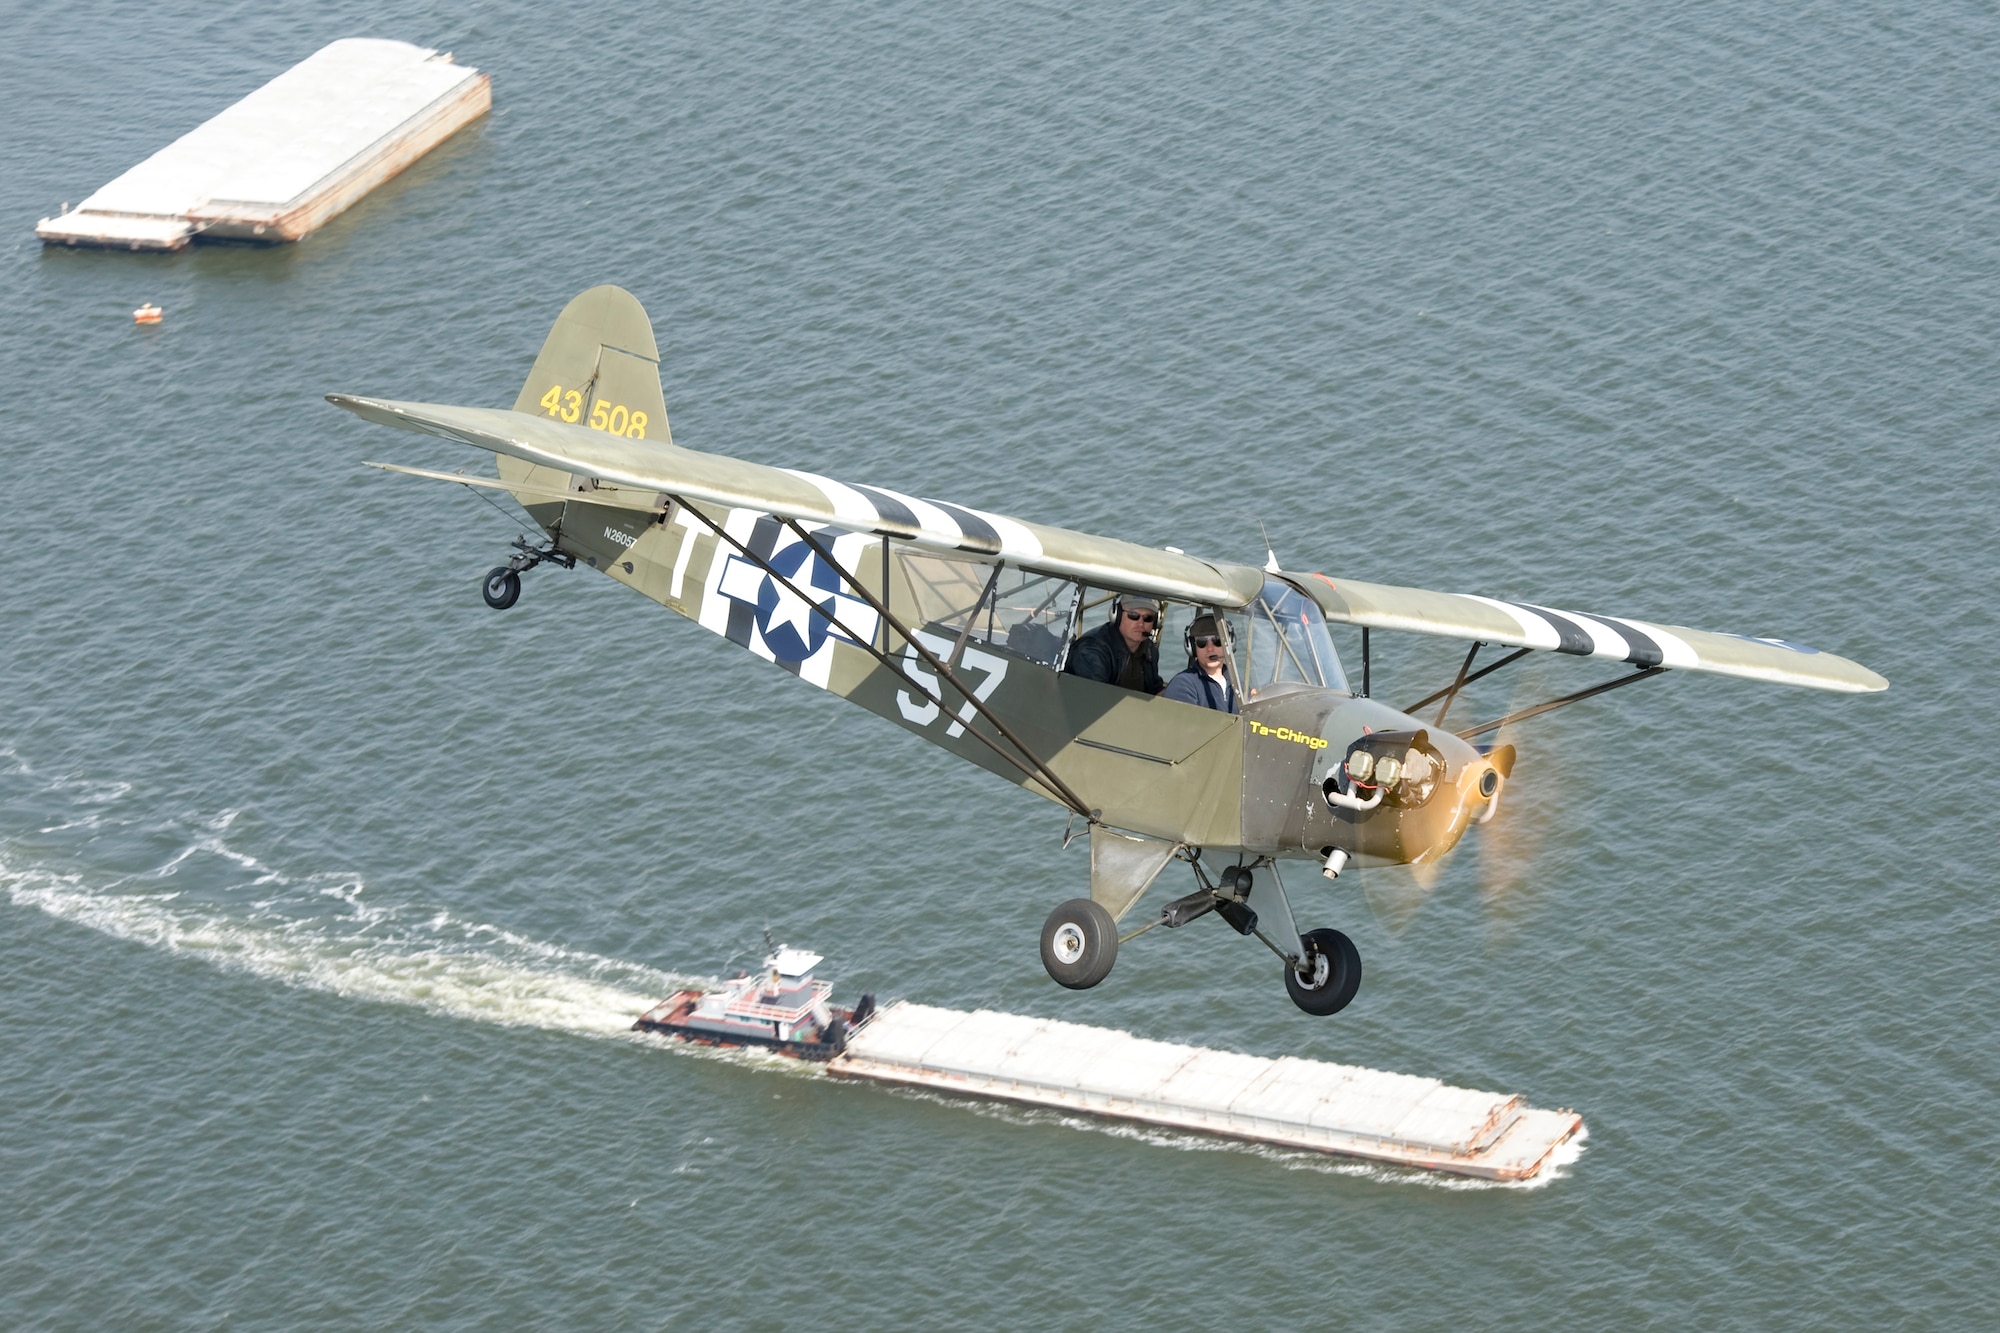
[(279, 164)]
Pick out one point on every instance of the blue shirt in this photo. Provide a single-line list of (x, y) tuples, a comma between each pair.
[(1197, 687)]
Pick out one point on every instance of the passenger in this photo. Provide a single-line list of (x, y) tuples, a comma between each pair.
[(1122, 651), (1205, 683)]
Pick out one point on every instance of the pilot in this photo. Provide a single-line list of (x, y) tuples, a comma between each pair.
[(1122, 651), (1205, 683)]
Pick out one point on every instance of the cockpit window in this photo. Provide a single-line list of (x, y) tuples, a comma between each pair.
[(1285, 639)]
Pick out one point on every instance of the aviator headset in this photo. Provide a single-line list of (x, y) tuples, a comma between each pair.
[(1221, 631), (1118, 610)]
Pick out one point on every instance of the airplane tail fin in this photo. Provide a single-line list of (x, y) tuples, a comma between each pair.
[(599, 367)]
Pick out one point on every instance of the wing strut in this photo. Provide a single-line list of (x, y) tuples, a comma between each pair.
[(1035, 770), (1458, 684), (1042, 771), (1554, 704), (1465, 680)]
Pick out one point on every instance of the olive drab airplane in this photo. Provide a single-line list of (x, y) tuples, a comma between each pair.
[(956, 624)]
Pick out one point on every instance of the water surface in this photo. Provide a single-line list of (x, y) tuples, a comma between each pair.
[(329, 893)]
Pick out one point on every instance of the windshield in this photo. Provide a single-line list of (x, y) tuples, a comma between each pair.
[(1285, 639)]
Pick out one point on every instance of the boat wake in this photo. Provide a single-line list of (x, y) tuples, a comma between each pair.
[(185, 885)]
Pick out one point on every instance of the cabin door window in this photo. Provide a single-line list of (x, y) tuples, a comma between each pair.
[(1016, 611)]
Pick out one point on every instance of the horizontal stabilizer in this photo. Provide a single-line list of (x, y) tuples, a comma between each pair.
[(609, 499)]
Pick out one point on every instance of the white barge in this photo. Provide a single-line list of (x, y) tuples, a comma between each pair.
[(293, 154), (1340, 1109)]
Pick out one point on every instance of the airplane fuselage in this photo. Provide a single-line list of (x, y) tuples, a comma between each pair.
[(1250, 782)]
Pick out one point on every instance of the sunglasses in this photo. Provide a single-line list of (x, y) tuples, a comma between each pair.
[(1208, 641), (1143, 617)]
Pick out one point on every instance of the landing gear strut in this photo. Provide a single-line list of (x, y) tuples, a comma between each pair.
[(1322, 969), (502, 585)]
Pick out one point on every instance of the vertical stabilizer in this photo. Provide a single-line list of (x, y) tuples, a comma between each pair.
[(599, 367)]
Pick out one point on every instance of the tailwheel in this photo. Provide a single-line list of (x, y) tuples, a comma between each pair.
[(1079, 944), (1328, 973), (502, 587)]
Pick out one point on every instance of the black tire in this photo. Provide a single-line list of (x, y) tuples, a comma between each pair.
[(1334, 973), (1079, 944), (502, 587)]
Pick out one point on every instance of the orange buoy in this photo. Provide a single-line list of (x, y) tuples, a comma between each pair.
[(148, 314)]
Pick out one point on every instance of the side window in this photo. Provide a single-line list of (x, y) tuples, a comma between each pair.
[(1024, 614)]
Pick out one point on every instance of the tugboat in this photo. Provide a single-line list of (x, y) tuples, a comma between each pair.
[(781, 1009)]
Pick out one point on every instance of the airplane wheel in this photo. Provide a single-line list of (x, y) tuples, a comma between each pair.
[(1079, 944), (502, 587), (1333, 973)]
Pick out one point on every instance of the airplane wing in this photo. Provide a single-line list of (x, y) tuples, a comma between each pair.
[(654, 467), (659, 466), (1526, 625)]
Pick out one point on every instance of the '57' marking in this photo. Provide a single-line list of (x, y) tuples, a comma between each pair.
[(923, 712)]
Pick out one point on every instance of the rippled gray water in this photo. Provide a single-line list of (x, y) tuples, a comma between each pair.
[(328, 893)]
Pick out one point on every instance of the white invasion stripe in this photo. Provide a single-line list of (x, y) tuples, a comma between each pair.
[(682, 519), (1605, 641), (849, 507), (1535, 631), (1674, 650), (1016, 541), (741, 581), (938, 526)]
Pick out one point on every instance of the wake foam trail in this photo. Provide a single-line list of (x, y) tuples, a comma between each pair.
[(205, 897), (448, 966)]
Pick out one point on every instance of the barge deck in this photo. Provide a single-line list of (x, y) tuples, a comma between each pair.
[(1345, 1110), (279, 164)]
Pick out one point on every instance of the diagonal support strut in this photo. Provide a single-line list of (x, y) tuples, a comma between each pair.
[(1554, 704), (1480, 674), (1044, 773)]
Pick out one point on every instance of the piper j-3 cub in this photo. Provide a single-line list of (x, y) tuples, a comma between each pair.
[(956, 624)]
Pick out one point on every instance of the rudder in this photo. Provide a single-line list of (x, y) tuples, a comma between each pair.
[(600, 367)]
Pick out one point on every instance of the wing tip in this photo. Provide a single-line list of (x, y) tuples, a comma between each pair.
[(354, 402)]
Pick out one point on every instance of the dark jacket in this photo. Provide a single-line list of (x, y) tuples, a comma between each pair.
[(1194, 686), (1102, 655)]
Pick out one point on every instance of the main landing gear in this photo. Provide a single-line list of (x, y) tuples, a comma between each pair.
[(502, 585), (1327, 974), (1322, 971), (1079, 944)]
